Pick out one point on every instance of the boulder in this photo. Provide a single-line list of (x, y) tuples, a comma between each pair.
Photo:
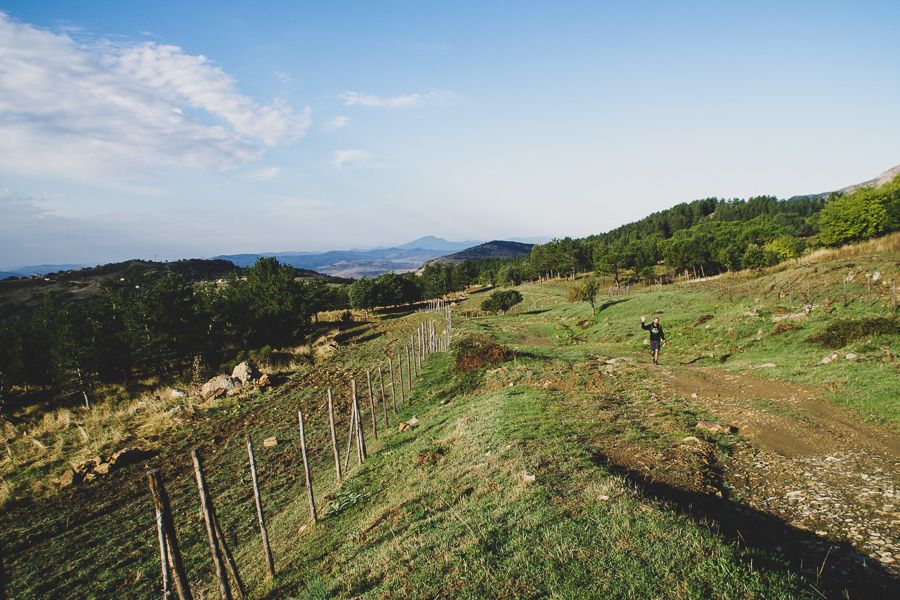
[(245, 373), (851, 356), (713, 427), (215, 387), (270, 442), (790, 317), (404, 425)]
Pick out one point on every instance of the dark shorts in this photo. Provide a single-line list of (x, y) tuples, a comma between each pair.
[(654, 345)]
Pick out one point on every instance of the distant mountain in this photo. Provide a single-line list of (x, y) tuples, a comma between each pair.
[(493, 249), (430, 242), (877, 181), (361, 263), (37, 270), (880, 180)]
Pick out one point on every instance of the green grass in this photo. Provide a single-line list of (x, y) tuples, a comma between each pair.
[(442, 510), (463, 523)]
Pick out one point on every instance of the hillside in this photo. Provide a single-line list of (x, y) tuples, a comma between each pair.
[(17, 295), (492, 249), (361, 263), (569, 468)]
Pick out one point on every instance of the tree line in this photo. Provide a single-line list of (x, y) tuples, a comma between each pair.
[(165, 326)]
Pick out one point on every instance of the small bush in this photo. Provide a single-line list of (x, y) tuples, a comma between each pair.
[(501, 301), (473, 352), (840, 333), (346, 317)]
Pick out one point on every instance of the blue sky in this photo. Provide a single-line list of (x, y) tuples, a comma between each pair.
[(172, 129)]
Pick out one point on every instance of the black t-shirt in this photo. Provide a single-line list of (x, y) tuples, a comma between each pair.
[(656, 331)]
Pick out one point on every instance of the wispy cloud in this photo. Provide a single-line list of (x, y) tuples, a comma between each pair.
[(343, 157), (351, 98), (338, 122), (264, 174), (104, 108)]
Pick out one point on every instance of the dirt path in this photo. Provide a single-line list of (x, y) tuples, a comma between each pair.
[(805, 460)]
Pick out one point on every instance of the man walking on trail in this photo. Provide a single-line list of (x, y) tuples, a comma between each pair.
[(657, 337)]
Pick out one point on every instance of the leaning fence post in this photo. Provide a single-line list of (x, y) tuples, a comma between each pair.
[(360, 434), (3, 582), (263, 532), (334, 447), (372, 404), (351, 434), (163, 559), (408, 370), (209, 520), (164, 519), (383, 397), (402, 385), (309, 488)]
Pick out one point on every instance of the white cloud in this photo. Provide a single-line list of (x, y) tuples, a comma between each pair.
[(96, 109), (264, 174), (403, 101), (338, 122), (343, 157)]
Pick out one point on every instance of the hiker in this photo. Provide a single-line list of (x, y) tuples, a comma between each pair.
[(657, 337)]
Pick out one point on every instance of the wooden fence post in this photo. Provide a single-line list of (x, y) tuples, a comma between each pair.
[(164, 520), (372, 404), (3, 582), (393, 388), (402, 384), (209, 520), (263, 531), (408, 370), (334, 447), (360, 434), (306, 473), (351, 435), (383, 397)]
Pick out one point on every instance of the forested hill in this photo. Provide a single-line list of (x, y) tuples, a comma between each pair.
[(23, 294), (492, 249)]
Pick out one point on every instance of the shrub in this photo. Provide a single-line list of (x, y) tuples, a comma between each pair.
[(472, 352), (501, 301), (842, 332)]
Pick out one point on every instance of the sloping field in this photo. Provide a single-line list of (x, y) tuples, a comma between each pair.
[(569, 468)]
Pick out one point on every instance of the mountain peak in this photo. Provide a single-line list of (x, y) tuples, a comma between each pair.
[(432, 242)]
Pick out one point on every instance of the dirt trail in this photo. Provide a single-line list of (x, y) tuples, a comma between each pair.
[(805, 460)]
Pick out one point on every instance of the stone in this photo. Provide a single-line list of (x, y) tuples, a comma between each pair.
[(68, 479), (767, 365), (270, 442), (217, 386), (413, 422), (102, 468), (851, 356), (790, 317), (245, 373), (403, 426), (128, 456), (175, 393), (691, 439), (264, 381), (713, 427), (527, 477)]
